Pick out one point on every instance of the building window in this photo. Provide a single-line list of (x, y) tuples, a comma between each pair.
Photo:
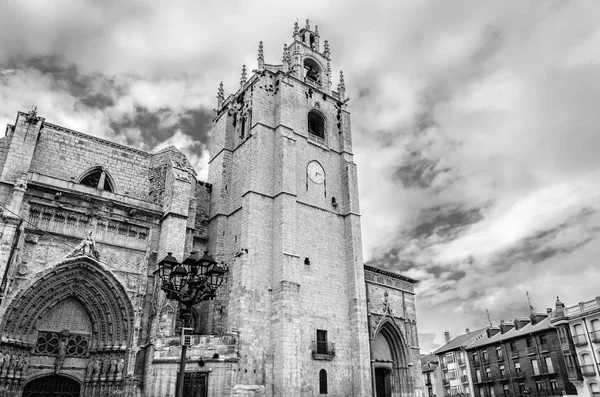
[(499, 353), (529, 342), (536, 368), (478, 375), (595, 389), (502, 371), (312, 72), (322, 382), (506, 389), (517, 367), (553, 385), (321, 341), (488, 373), (316, 124), (539, 385), (97, 178), (542, 340), (475, 359), (484, 356), (549, 365), (513, 347)]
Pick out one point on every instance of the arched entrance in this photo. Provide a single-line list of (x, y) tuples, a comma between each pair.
[(390, 364), (51, 386), (74, 321)]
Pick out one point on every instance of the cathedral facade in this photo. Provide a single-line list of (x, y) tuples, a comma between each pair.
[(85, 222)]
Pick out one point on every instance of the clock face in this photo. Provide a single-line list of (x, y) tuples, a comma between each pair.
[(316, 173)]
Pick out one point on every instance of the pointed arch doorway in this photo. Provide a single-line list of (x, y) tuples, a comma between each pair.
[(52, 386), (390, 364)]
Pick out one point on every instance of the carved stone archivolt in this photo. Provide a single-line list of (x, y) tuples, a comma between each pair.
[(81, 278)]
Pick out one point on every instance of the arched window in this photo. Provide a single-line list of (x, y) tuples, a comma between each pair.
[(312, 71), (97, 178), (322, 382), (316, 124)]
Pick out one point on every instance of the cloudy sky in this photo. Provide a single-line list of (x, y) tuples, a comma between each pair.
[(475, 123)]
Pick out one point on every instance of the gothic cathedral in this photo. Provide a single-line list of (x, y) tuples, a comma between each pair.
[(86, 221)]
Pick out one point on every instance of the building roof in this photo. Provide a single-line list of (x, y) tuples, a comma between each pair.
[(543, 325), (462, 341), (429, 362), (390, 274)]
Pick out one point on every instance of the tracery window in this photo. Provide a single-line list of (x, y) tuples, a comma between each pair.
[(97, 178)]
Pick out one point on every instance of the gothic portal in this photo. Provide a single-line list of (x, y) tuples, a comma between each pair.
[(87, 220)]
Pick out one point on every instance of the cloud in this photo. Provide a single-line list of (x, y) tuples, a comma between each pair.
[(474, 122)]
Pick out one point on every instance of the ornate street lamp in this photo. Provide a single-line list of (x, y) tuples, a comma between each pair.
[(194, 280)]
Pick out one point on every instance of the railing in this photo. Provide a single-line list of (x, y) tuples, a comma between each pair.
[(464, 379), (485, 359), (531, 350), (514, 354), (588, 370), (445, 382), (595, 336), (500, 357), (519, 373), (461, 362), (579, 340), (323, 350), (476, 361)]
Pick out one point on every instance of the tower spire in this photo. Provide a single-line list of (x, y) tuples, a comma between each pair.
[(261, 56), (243, 79), (220, 96), (342, 87), (307, 27)]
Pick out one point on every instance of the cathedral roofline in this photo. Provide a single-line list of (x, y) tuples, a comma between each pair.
[(391, 274)]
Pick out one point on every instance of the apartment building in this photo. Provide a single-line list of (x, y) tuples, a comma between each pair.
[(578, 328), (432, 376), (454, 365), (522, 358)]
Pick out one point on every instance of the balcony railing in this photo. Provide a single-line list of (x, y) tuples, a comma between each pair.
[(501, 357), (531, 350), (485, 359), (461, 362), (595, 336), (464, 379), (514, 354), (519, 373), (579, 340), (323, 350), (588, 370), (446, 382), (476, 362)]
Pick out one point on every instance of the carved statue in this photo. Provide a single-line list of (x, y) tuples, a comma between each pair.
[(21, 182), (120, 367), (60, 357), (1, 361), (5, 365), (13, 365), (97, 368), (87, 247), (113, 367), (90, 368), (23, 365), (105, 367)]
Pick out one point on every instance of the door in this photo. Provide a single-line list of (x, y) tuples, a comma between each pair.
[(195, 384), (382, 383), (51, 386)]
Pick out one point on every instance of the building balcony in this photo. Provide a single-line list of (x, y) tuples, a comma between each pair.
[(514, 354), (531, 350), (464, 379), (588, 370), (461, 362), (446, 382), (504, 377), (595, 336), (501, 357), (485, 360), (476, 362), (580, 340), (323, 350)]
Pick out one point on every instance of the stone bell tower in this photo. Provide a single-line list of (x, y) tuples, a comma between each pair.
[(285, 189)]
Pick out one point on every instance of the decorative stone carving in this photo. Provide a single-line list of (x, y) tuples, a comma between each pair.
[(21, 182), (62, 351), (86, 248)]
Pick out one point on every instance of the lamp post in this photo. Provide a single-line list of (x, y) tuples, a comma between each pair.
[(192, 281)]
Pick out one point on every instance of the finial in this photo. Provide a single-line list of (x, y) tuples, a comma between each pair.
[(326, 48), (317, 30), (286, 53), (296, 28), (342, 83), (243, 79), (220, 92), (261, 54), (307, 27)]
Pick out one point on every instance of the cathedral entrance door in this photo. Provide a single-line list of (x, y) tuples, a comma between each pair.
[(51, 386), (382, 382)]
